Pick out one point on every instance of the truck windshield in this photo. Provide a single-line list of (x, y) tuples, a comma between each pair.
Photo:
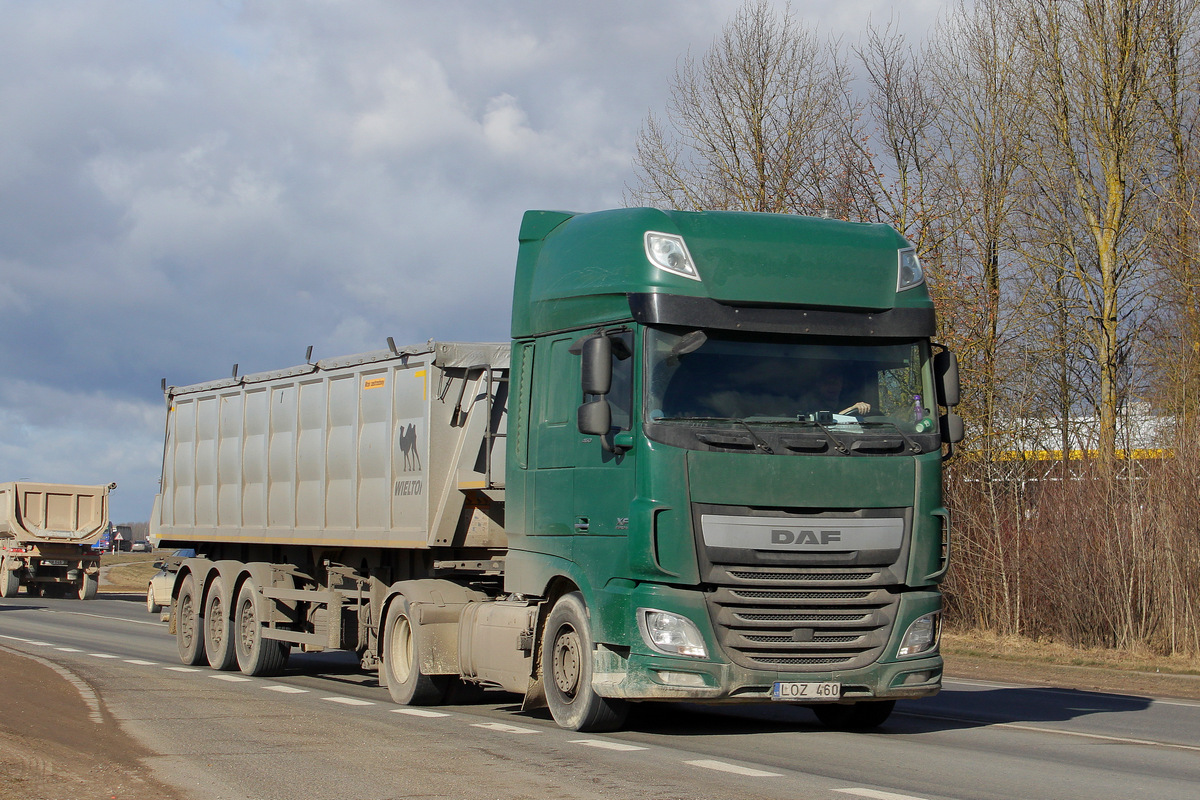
[(845, 384)]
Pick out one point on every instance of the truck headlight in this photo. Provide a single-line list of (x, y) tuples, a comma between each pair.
[(910, 270), (668, 252), (921, 636), (671, 634)]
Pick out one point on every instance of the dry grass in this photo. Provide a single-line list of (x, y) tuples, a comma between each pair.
[(1020, 649), (128, 572)]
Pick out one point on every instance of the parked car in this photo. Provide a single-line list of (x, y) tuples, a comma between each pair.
[(141, 546), (158, 591)]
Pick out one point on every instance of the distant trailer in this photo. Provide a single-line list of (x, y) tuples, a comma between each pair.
[(46, 535)]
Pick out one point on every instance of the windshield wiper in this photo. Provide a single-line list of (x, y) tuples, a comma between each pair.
[(837, 443), (759, 443), (913, 446)]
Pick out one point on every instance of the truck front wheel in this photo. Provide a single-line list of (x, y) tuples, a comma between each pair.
[(862, 716), (88, 586), (408, 685), (189, 626), (567, 671)]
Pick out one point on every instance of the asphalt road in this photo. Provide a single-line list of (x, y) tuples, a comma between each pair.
[(325, 730)]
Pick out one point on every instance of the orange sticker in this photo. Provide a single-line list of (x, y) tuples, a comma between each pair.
[(374, 383)]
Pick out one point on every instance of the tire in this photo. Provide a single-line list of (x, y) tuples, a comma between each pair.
[(189, 625), (10, 583), (861, 716), (34, 589), (88, 586), (218, 627), (256, 656), (401, 669), (151, 606), (566, 662)]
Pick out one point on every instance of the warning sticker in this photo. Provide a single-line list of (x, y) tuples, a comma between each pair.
[(374, 383)]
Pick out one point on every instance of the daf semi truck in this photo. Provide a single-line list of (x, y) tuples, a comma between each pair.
[(46, 535), (706, 468)]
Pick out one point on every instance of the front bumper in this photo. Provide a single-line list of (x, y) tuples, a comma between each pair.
[(639, 673)]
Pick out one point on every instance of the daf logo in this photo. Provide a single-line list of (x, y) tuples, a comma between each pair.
[(805, 537)]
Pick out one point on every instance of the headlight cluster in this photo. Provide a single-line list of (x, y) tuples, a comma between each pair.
[(668, 252), (910, 270), (921, 636), (671, 634)]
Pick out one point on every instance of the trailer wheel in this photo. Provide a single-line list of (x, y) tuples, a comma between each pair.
[(402, 661), (862, 716), (189, 626), (567, 671), (218, 628), (255, 655), (151, 606), (9, 583), (88, 586), (33, 589)]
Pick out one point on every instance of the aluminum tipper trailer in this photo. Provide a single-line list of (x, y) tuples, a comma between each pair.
[(317, 497), (46, 535)]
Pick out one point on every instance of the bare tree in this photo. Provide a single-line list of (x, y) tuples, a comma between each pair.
[(1096, 70), (758, 124), (982, 79)]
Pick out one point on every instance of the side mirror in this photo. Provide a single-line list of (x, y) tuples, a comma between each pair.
[(595, 417), (945, 367), (596, 367), (952, 428)]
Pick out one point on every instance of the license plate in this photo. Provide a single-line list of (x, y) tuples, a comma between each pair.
[(53, 563), (793, 690)]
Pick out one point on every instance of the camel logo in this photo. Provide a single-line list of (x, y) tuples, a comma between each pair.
[(409, 447)]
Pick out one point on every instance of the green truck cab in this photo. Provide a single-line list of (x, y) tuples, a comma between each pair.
[(724, 458)]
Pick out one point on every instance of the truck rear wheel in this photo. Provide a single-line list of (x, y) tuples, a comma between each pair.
[(862, 716), (189, 625), (9, 583), (88, 586), (255, 655), (567, 671), (218, 641), (408, 685)]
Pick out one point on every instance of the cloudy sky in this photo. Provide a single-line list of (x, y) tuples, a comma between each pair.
[(185, 185)]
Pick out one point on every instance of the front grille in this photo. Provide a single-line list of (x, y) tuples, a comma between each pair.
[(820, 621), (797, 575)]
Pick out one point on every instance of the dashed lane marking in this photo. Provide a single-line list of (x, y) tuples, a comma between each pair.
[(102, 655), (278, 687), (68, 649), (349, 701), (875, 794), (419, 712), (603, 745), (721, 766), (230, 678), (182, 669), (139, 662), (500, 726)]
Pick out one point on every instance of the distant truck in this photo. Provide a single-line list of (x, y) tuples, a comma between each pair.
[(46, 535), (707, 468)]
